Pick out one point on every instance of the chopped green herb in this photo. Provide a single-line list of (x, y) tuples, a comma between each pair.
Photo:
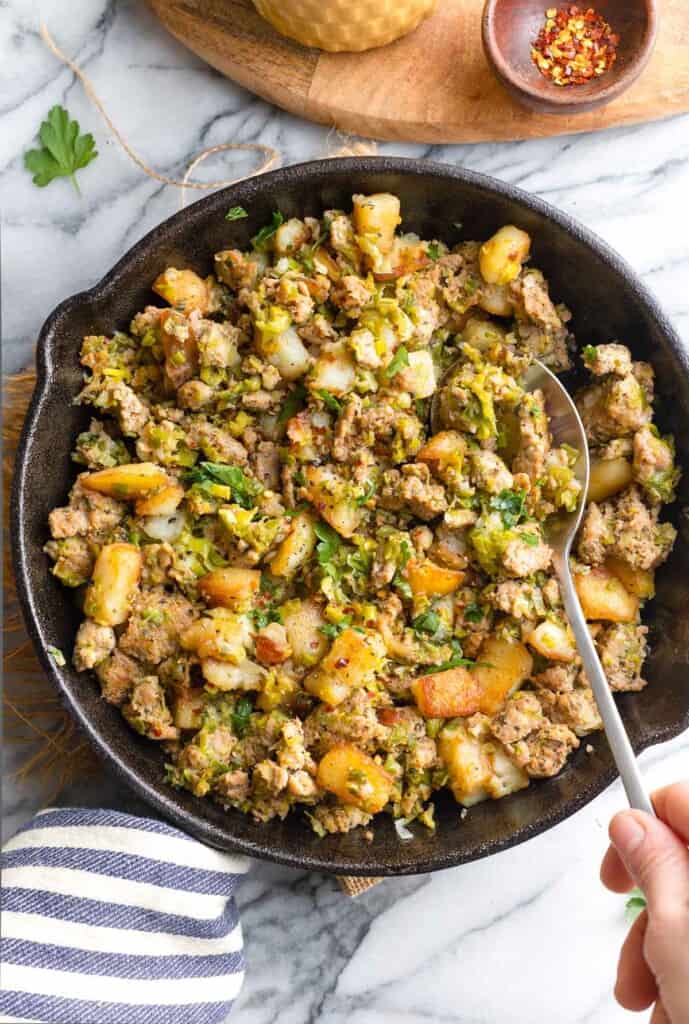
[(57, 655), (455, 660), (588, 354), (397, 363), (333, 629), (473, 612), (328, 542), (260, 240), (241, 716), (433, 250), (330, 402), (236, 213), (510, 505), (427, 622), (244, 489), (264, 616), (635, 904), (63, 150), (294, 403)]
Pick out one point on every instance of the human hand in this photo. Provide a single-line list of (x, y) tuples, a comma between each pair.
[(653, 853)]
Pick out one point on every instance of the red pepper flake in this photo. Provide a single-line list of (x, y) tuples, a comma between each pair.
[(574, 46)]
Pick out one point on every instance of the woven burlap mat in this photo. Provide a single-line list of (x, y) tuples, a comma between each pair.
[(52, 751)]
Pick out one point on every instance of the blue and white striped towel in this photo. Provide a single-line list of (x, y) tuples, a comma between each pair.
[(112, 919)]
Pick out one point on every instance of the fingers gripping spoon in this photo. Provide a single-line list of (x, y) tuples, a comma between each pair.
[(566, 428)]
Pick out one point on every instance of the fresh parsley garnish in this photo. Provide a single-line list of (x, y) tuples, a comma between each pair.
[(244, 489), (510, 505), (433, 250), (397, 363), (473, 612), (588, 354), (455, 660), (328, 542), (635, 904), (330, 402), (260, 240), (428, 622), (63, 150), (264, 616), (236, 213), (241, 716), (294, 403)]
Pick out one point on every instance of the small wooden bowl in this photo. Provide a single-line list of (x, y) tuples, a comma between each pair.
[(511, 26)]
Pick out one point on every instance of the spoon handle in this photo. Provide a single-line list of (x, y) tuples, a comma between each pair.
[(621, 748)]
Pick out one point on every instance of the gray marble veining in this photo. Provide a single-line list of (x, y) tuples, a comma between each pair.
[(527, 936)]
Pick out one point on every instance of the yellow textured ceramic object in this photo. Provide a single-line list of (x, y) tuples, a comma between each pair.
[(351, 25)]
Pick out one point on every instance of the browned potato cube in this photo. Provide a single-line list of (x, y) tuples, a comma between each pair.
[(608, 477), (639, 582), (229, 588), (603, 597), (113, 584), (377, 216), (553, 640), (296, 548), (450, 694), (161, 503), (355, 778), (135, 480), (503, 667), (352, 661), (427, 578), (183, 289)]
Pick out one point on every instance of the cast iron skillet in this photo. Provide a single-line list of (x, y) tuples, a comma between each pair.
[(437, 201)]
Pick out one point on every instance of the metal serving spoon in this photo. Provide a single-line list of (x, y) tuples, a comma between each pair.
[(566, 428)]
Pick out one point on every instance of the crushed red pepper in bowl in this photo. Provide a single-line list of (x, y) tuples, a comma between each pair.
[(574, 46)]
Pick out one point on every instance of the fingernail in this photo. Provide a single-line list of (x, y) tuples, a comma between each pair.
[(627, 834)]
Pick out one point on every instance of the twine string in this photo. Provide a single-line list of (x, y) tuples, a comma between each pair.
[(271, 157)]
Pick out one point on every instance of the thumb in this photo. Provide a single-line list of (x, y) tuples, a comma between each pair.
[(656, 859)]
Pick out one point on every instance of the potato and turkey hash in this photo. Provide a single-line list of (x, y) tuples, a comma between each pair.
[(306, 597)]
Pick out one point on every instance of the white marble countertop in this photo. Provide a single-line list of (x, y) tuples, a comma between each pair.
[(526, 936)]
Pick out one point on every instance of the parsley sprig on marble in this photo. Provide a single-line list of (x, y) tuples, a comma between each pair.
[(64, 150)]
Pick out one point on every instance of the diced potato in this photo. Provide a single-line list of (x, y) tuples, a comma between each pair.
[(230, 588), (640, 582), (187, 709), (161, 503), (332, 498), (296, 548), (125, 482), (608, 477), (180, 348), (303, 621), (355, 778), (113, 584), (553, 640), (352, 661), (503, 667), (496, 300), (290, 236), (427, 578), (604, 597), (478, 766), (418, 376), (247, 675), (444, 449), (324, 263), (482, 333), (334, 371), (377, 216), (183, 289), (501, 257), (286, 352), (451, 694), (220, 635)]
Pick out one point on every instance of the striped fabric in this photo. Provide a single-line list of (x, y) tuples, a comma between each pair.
[(112, 919)]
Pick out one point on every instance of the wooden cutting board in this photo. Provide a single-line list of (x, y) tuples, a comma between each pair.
[(432, 86)]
